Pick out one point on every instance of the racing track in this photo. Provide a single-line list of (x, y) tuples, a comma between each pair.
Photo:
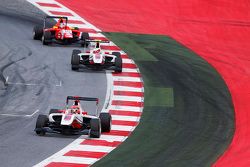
[(39, 78)]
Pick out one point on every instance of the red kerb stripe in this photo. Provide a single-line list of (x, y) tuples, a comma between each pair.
[(126, 123), (101, 143), (64, 164), (75, 22), (127, 74), (61, 13), (116, 48), (128, 93), (127, 103), (129, 84), (117, 133), (86, 154), (87, 30), (128, 65), (48, 4), (124, 56), (125, 113)]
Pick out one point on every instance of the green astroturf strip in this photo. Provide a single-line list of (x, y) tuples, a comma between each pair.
[(188, 118)]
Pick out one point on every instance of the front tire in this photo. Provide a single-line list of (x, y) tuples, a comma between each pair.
[(75, 59), (105, 122), (41, 122), (95, 128)]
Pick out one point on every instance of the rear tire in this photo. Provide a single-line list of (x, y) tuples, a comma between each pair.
[(105, 122), (84, 37), (42, 121), (118, 62), (46, 38), (95, 128), (37, 32), (75, 59)]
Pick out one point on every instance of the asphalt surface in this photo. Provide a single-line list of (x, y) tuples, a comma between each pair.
[(40, 78), (188, 115)]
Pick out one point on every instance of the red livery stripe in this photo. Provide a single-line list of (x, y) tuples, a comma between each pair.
[(64, 164), (127, 74), (128, 65), (48, 4), (125, 113), (118, 133), (128, 93), (129, 84), (86, 154), (101, 143), (61, 13), (115, 48), (126, 123), (75, 22), (127, 103)]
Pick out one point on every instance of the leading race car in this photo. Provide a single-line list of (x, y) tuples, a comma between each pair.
[(60, 33), (74, 120), (96, 58)]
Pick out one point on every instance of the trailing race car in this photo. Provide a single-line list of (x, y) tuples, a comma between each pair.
[(74, 120), (96, 58), (60, 33)]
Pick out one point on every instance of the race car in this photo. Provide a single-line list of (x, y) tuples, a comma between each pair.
[(96, 58), (74, 120), (60, 33)]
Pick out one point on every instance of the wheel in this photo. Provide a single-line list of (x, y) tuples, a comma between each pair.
[(42, 121), (75, 59), (84, 37), (105, 122), (118, 62), (37, 32), (95, 128), (54, 111), (46, 38)]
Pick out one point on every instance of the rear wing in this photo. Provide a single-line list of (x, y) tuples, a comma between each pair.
[(54, 17), (82, 99)]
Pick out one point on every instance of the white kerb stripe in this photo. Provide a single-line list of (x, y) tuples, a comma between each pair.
[(131, 79), (83, 147), (79, 160), (124, 118), (128, 98), (128, 61), (129, 70), (111, 138), (127, 88), (122, 127), (125, 108)]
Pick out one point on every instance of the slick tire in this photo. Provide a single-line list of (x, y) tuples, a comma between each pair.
[(118, 62), (54, 111), (84, 37), (95, 128), (105, 122), (75, 60), (46, 38), (37, 32), (42, 121)]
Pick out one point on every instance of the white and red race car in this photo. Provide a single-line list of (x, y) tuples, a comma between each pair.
[(96, 58), (74, 120)]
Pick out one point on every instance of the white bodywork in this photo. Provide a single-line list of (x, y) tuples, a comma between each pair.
[(96, 54), (69, 115)]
